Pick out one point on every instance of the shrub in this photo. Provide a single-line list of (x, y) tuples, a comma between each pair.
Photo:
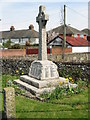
[(7, 44), (16, 46), (61, 92)]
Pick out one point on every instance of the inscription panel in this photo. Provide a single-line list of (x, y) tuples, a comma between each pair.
[(44, 70), (53, 71)]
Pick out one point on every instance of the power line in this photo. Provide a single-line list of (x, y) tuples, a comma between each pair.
[(77, 12)]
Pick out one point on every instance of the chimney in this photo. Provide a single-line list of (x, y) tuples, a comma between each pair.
[(31, 27), (72, 35), (78, 35), (12, 28), (85, 37)]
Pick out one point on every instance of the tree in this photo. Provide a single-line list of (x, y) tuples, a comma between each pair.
[(7, 44)]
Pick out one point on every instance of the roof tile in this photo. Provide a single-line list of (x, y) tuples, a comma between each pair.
[(76, 41)]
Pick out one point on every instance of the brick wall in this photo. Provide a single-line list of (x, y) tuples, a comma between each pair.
[(30, 51), (12, 52), (58, 50)]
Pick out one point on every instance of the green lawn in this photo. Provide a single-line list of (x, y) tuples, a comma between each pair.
[(36, 109), (28, 108)]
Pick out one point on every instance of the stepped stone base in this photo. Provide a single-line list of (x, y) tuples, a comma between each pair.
[(43, 77), (37, 87)]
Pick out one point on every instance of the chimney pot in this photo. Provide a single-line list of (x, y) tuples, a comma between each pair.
[(12, 28), (31, 27)]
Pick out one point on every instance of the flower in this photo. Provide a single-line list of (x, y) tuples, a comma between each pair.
[(70, 78), (7, 80), (22, 73), (60, 83), (17, 71), (67, 79)]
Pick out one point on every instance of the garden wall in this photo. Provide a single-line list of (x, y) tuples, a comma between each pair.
[(30, 51), (69, 57), (21, 66), (58, 50), (71, 62), (12, 52)]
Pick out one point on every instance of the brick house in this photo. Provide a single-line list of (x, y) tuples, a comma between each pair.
[(73, 44), (70, 31), (87, 31)]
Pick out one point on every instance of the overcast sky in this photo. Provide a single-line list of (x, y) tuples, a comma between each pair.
[(22, 13)]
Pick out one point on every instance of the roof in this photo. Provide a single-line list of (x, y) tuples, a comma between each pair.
[(17, 34), (86, 30), (76, 41), (69, 30), (72, 41)]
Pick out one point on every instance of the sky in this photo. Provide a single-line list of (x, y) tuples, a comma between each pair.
[(22, 13)]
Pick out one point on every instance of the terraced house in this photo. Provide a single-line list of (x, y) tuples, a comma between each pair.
[(20, 36), (70, 31)]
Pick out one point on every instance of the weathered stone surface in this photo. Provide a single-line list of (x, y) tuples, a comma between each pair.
[(42, 84), (43, 74), (42, 19), (43, 70), (38, 87), (9, 102), (34, 82)]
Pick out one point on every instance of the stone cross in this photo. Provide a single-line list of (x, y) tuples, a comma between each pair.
[(42, 19)]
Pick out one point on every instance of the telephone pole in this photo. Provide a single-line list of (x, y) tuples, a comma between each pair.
[(64, 42)]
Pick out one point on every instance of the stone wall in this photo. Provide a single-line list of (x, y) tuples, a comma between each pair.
[(77, 70), (20, 65), (73, 57), (69, 57)]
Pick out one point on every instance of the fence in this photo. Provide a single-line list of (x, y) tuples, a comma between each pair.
[(30, 51)]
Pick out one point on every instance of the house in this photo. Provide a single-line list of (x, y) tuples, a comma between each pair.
[(87, 31), (70, 31), (20, 36), (73, 44)]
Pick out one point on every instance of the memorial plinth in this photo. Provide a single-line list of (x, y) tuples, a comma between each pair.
[(43, 75), (43, 70)]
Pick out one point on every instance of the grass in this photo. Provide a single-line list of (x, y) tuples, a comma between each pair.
[(28, 108), (36, 109), (7, 77)]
